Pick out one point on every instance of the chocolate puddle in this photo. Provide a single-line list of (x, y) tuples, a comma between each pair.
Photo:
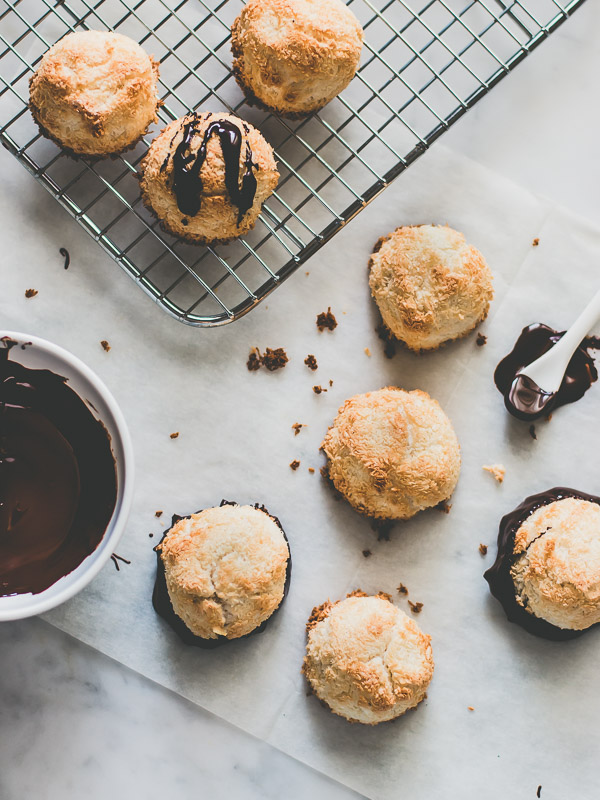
[(498, 575), (533, 342), (162, 602), (58, 483)]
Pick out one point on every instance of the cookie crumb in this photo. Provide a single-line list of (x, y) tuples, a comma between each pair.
[(30, 293), (324, 473), (326, 321), (295, 464), (416, 608), (318, 389), (105, 345), (311, 470), (158, 513), (496, 470), (330, 383), (270, 359), (481, 340), (549, 417), (444, 506), (470, 708), (483, 548), (366, 553), (532, 432), (367, 352), (174, 435), (535, 243), (311, 362), (401, 589), (297, 427)]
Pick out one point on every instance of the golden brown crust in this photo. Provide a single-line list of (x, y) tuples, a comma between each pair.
[(225, 570), (430, 286), (392, 453), (95, 93), (557, 568), (366, 660), (217, 220), (294, 56)]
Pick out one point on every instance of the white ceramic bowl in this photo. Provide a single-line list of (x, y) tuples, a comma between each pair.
[(41, 354)]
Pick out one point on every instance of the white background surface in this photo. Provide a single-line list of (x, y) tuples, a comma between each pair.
[(76, 720)]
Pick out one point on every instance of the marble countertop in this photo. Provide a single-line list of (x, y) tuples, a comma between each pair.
[(73, 723)]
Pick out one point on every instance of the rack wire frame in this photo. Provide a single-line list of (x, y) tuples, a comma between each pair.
[(420, 72)]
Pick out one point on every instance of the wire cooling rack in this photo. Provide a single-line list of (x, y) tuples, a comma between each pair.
[(420, 71)]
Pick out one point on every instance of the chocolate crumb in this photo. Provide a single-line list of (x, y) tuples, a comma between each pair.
[(295, 464), (65, 254), (539, 792), (311, 470), (114, 557), (532, 432), (470, 708), (389, 343), (326, 321), (444, 506), (481, 340), (318, 389), (535, 243), (105, 345), (151, 535), (253, 362), (401, 589), (483, 549), (311, 362), (415, 607), (30, 293), (366, 553), (158, 513), (297, 427), (174, 435)]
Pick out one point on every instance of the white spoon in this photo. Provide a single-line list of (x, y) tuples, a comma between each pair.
[(535, 386)]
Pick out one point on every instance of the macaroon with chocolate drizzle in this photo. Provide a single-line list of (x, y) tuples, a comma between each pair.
[(163, 601), (206, 177), (58, 483), (562, 571)]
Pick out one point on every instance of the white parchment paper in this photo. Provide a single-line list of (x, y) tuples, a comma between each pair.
[(536, 703)]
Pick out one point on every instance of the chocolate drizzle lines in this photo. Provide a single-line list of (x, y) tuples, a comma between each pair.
[(65, 254), (187, 165), (498, 575)]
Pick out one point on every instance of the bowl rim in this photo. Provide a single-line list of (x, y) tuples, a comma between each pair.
[(116, 525)]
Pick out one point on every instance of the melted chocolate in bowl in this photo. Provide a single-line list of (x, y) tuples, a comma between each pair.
[(58, 482), (498, 575), (162, 602), (534, 341)]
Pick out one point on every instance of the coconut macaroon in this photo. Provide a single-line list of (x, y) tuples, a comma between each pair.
[(392, 453), (556, 567), (225, 570), (366, 660), (206, 177), (294, 56), (94, 93), (429, 284)]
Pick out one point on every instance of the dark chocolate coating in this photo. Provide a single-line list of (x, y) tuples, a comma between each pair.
[(58, 483), (498, 575), (187, 182), (534, 341), (164, 608)]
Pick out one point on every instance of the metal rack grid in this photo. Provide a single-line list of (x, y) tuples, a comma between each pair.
[(420, 71)]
